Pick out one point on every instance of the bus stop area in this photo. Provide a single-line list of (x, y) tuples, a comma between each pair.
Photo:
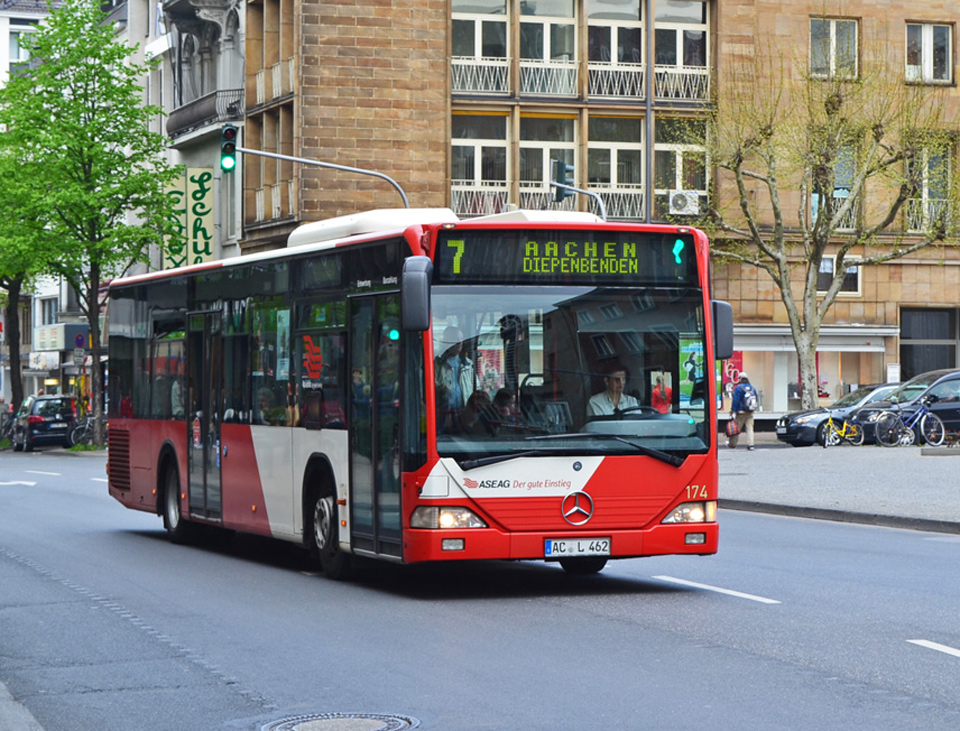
[(905, 487)]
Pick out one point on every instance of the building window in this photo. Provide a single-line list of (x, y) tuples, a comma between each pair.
[(615, 54), (679, 164), (851, 279), (615, 164), (26, 323), (928, 340), (844, 173), (932, 169), (479, 47), (548, 48), (681, 51), (543, 139), (49, 311), (479, 164), (929, 53), (833, 48), (681, 34), (18, 53)]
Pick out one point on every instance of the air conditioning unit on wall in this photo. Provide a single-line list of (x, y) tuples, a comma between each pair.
[(684, 203)]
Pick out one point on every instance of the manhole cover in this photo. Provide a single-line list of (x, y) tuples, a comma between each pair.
[(344, 722)]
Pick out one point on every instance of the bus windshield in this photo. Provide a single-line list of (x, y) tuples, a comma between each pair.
[(569, 370)]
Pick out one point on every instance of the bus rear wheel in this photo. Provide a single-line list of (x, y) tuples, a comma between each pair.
[(324, 542), (583, 565)]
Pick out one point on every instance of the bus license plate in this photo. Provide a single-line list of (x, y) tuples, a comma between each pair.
[(561, 547)]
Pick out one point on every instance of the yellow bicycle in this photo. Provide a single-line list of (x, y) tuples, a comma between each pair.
[(832, 435)]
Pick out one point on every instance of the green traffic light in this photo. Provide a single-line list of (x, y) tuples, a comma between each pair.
[(228, 148)]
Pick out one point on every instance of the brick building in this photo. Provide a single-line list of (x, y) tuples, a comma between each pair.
[(465, 104)]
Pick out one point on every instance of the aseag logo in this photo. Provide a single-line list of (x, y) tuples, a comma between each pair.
[(485, 484), (312, 358)]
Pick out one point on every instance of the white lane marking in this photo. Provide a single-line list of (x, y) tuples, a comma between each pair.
[(100, 479), (38, 472), (935, 646), (17, 482), (730, 592)]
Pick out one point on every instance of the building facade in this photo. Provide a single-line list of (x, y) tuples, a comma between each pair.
[(469, 104)]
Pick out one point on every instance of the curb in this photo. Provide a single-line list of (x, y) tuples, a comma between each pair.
[(14, 714), (843, 516)]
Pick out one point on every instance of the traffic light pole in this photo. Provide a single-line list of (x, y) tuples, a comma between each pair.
[(317, 163), (595, 196)]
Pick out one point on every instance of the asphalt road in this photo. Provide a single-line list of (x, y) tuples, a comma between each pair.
[(794, 624)]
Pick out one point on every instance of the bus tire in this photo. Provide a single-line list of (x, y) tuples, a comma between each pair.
[(178, 529), (583, 565), (324, 537)]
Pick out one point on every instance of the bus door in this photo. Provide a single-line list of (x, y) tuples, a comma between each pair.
[(205, 394), (374, 425)]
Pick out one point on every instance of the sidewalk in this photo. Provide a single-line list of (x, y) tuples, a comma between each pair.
[(904, 487)]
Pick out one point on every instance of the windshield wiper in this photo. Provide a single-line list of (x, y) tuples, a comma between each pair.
[(470, 464), (670, 459)]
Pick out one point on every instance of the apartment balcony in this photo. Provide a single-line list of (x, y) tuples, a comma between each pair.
[(209, 110), (467, 200), (471, 75), (924, 214), (537, 197), (681, 84), (275, 82), (548, 78), (624, 203), (616, 81)]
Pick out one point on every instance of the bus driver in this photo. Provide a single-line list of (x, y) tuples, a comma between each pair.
[(612, 399)]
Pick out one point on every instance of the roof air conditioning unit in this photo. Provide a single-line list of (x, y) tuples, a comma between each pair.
[(684, 203)]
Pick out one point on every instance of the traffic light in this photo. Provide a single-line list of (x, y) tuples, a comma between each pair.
[(563, 174), (228, 148)]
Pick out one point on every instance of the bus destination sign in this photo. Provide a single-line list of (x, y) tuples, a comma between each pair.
[(541, 256)]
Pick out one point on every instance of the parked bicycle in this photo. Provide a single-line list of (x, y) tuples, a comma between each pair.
[(849, 431), (6, 428), (81, 432), (894, 428)]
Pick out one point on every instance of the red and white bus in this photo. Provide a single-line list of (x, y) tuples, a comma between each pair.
[(406, 386)]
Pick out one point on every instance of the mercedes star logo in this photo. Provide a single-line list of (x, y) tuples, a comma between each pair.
[(577, 508)]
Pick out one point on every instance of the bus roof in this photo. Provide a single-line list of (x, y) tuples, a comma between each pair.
[(397, 219), (355, 224)]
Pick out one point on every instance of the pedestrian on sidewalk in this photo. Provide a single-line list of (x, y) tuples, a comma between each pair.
[(742, 408)]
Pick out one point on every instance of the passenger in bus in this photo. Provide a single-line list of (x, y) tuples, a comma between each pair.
[(505, 404), (478, 417), (662, 397), (612, 399), (176, 397), (293, 405), (454, 372)]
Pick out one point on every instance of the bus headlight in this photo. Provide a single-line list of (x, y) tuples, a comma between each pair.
[(445, 517), (700, 512)]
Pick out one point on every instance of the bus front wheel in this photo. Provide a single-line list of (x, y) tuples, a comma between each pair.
[(325, 538), (177, 528)]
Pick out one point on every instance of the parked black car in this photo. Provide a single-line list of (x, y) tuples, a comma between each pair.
[(804, 428), (43, 420), (941, 389)]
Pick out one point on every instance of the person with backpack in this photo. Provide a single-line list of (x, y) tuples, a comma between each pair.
[(745, 402)]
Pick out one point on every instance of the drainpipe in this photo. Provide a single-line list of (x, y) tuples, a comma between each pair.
[(651, 83)]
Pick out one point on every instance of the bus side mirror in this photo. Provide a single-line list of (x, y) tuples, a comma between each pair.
[(722, 330), (415, 293)]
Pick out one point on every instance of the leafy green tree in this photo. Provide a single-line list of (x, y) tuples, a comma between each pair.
[(21, 256), (95, 175)]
